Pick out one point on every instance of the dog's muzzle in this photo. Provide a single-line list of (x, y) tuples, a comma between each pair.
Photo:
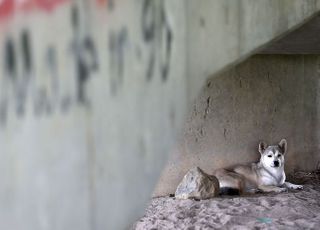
[(276, 163)]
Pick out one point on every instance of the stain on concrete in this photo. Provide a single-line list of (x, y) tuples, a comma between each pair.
[(26, 51), (118, 43), (167, 39), (148, 27), (202, 22), (3, 112), (10, 58), (207, 109), (158, 37), (66, 104)]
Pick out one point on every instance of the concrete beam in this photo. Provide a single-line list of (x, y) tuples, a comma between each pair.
[(224, 33), (304, 40)]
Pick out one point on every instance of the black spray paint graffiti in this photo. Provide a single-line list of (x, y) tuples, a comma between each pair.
[(19, 81), (10, 58), (148, 25), (19, 55), (166, 41), (156, 32), (117, 45), (22, 83), (10, 64), (85, 56), (26, 51), (19, 63), (18, 76)]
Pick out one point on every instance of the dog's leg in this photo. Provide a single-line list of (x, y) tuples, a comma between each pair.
[(269, 188), (253, 191), (292, 186), (230, 182)]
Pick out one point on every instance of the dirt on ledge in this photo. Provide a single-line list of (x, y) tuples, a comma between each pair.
[(290, 210)]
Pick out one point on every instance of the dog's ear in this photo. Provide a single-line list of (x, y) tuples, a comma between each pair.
[(283, 146), (262, 147)]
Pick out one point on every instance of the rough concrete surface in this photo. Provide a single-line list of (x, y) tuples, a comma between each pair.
[(268, 97)]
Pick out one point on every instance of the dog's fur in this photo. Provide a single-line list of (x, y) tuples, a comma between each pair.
[(265, 176)]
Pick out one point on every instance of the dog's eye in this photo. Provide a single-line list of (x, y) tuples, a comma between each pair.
[(279, 155), (269, 155)]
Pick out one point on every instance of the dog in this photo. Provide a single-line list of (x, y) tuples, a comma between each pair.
[(265, 176)]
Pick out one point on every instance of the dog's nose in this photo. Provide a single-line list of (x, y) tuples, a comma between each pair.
[(276, 163)]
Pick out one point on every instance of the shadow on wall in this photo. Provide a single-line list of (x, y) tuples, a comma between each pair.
[(268, 97)]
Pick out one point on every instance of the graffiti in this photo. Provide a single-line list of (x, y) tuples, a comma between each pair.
[(10, 58), (11, 55), (6, 8), (109, 3), (22, 83), (19, 81), (9, 69), (47, 5), (74, 18), (148, 25), (117, 43), (155, 38), (85, 56), (86, 59), (166, 46), (9, 7), (26, 51), (52, 67)]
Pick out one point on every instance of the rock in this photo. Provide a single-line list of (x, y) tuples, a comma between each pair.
[(197, 184)]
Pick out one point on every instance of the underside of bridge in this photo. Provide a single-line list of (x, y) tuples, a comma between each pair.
[(270, 96), (95, 94)]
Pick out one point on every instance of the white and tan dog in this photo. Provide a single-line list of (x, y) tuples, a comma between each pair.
[(265, 176)]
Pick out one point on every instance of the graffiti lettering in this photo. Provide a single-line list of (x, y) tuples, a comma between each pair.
[(10, 58), (85, 57), (148, 24), (117, 43), (108, 3), (158, 40), (166, 46), (9, 7)]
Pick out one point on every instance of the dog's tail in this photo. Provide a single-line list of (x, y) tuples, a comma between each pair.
[(229, 191)]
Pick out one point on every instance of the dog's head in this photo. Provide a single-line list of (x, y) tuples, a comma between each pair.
[(273, 156)]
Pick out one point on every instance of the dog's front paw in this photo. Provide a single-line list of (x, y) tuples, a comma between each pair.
[(296, 186), (293, 186), (280, 189)]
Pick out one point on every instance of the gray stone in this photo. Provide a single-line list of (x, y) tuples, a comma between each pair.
[(197, 184)]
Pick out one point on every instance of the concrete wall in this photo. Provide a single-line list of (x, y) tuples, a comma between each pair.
[(94, 92), (268, 97)]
